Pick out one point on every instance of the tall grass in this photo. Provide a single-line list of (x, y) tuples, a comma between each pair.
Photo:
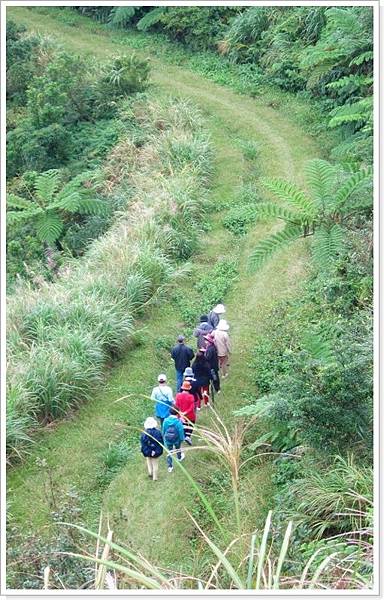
[(62, 335)]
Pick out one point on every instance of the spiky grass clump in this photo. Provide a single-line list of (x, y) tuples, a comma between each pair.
[(62, 335)]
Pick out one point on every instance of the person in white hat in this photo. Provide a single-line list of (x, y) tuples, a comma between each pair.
[(214, 315), (163, 397), (223, 345), (152, 446)]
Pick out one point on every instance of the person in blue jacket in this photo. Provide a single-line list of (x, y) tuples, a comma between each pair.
[(151, 446), (173, 434), (162, 395)]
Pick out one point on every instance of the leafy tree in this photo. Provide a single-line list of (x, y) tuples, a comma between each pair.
[(52, 203), (320, 214)]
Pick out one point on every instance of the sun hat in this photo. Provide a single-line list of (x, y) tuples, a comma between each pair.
[(180, 338), (186, 385), (209, 337), (219, 309), (188, 372), (223, 325), (162, 378), (150, 423)]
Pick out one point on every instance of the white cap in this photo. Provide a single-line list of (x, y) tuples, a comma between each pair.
[(223, 325), (162, 377), (150, 423), (219, 309)]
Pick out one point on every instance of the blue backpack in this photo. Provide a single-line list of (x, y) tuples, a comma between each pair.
[(172, 434)]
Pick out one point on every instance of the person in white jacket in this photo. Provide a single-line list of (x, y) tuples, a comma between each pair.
[(223, 346)]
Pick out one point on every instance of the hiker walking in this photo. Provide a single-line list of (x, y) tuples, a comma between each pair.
[(162, 395), (214, 315), (182, 356), (185, 403), (202, 372), (151, 440), (213, 361), (173, 434), (189, 375), (223, 346), (201, 330)]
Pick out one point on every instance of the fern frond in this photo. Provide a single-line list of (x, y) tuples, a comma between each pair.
[(18, 216), (319, 344), (327, 244), (320, 176), (288, 192), (357, 112), (349, 186), (49, 227), (120, 16), (92, 206), (363, 57), (46, 185), (151, 18), (272, 244), (270, 210), (357, 81)]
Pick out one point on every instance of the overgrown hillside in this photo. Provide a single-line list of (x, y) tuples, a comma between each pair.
[(274, 226)]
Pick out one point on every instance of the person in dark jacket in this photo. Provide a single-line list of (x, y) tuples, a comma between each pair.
[(214, 315), (213, 361), (182, 356), (202, 372), (151, 440), (201, 330)]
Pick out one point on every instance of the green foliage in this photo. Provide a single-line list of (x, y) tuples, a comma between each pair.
[(121, 16), (49, 204), (320, 215)]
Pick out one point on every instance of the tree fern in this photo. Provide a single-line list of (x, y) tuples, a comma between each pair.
[(46, 215), (151, 18), (268, 210), (46, 185), (361, 58), (320, 176), (290, 193), (350, 186), (350, 81), (266, 248), (49, 227), (121, 16), (320, 345), (327, 245), (359, 112)]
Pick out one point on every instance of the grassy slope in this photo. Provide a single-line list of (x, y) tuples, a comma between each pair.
[(139, 510)]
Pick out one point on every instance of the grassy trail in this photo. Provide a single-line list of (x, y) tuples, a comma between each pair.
[(140, 510)]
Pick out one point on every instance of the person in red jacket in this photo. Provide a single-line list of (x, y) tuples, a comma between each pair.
[(185, 403)]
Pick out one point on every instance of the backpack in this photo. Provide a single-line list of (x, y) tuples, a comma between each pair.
[(150, 445), (171, 435)]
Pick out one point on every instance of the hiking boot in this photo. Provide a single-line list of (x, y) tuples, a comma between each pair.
[(170, 469), (188, 441), (181, 457)]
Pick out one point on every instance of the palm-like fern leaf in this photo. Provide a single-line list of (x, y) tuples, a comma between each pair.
[(49, 227), (272, 244), (363, 57), (120, 16), (357, 112), (151, 18), (268, 210), (46, 185), (356, 81), (320, 345), (349, 186), (320, 176), (14, 201), (327, 245), (288, 192), (18, 216), (92, 206)]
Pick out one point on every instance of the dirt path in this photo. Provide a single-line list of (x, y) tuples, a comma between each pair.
[(140, 512)]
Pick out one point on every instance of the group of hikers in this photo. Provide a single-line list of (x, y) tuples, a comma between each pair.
[(196, 384)]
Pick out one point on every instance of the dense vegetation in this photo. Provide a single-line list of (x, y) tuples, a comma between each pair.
[(311, 365)]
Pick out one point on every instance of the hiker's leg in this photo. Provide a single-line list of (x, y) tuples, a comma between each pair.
[(179, 380), (205, 393), (155, 468), (149, 466), (177, 447), (224, 365), (169, 457)]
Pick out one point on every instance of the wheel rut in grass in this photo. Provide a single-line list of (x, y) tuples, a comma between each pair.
[(140, 510)]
